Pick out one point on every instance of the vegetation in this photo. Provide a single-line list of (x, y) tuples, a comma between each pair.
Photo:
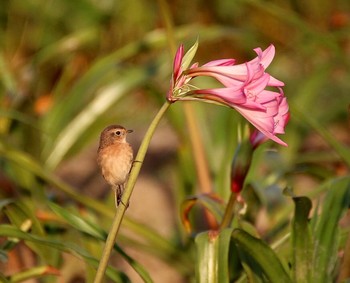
[(70, 68)]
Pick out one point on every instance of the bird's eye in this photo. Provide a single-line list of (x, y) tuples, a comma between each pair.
[(118, 133)]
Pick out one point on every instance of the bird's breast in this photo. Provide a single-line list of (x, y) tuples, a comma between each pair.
[(115, 162)]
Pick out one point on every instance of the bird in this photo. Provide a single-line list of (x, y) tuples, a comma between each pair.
[(115, 158)]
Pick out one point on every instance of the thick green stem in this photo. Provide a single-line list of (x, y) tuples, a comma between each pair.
[(118, 217), (228, 216)]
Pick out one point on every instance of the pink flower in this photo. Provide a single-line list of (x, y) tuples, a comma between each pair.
[(179, 82), (244, 90)]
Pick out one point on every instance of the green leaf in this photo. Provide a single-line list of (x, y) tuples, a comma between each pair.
[(93, 230), (3, 279), (28, 163), (35, 272), (342, 150), (15, 115), (5, 202), (22, 215), (102, 72), (10, 231), (20, 211), (78, 223), (301, 240), (104, 100), (336, 203), (259, 259), (6, 77), (188, 57), (66, 45), (159, 244), (212, 256), (210, 202)]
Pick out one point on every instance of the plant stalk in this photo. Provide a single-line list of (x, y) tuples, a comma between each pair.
[(228, 215), (118, 217)]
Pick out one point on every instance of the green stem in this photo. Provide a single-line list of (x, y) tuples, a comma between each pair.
[(228, 216), (118, 217)]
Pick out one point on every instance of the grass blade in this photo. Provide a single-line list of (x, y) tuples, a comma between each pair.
[(10, 231), (84, 226), (327, 229), (212, 255), (301, 240), (260, 258)]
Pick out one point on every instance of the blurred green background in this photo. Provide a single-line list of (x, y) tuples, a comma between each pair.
[(70, 68)]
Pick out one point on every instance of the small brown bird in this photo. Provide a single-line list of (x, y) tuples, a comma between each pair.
[(115, 157)]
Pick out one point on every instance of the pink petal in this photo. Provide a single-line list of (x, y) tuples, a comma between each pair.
[(267, 95), (264, 57), (194, 65), (256, 138), (236, 71), (282, 117), (223, 77), (266, 110), (274, 82), (177, 62), (262, 122), (264, 125), (259, 84), (231, 96), (220, 62), (245, 90)]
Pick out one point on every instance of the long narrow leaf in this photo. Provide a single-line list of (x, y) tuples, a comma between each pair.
[(32, 273), (3, 279), (103, 101), (336, 202), (10, 231), (83, 90), (212, 256), (151, 236), (22, 216), (260, 258), (84, 226), (301, 240), (338, 147), (189, 56), (211, 202), (79, 223)]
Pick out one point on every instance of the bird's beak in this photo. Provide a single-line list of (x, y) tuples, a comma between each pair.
[(129, 131)]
